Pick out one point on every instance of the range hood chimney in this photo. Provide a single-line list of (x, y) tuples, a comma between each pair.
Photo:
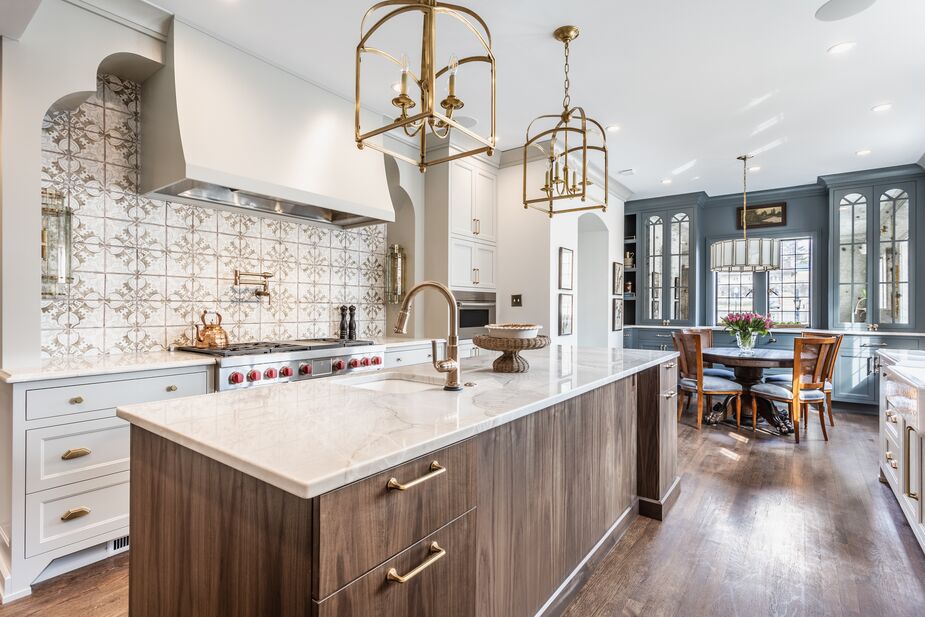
[(223, 128)]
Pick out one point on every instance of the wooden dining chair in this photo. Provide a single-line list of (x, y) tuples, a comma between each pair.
[(829, 372), (695, 382), (706, 339), (810, 360)]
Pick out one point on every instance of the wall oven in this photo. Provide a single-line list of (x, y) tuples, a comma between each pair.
[(476, 310)]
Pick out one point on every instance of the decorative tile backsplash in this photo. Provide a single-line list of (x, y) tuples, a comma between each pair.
[(143, 270)]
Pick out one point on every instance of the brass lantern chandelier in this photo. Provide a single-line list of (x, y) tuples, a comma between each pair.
[(573, 140), (434, 118), (745, 254)]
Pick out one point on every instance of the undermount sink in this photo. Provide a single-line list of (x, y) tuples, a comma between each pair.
[(396, 383)]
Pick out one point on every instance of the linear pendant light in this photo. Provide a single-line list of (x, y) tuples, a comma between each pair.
[(745, 254)]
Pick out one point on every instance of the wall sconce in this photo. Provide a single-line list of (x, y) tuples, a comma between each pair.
[(56, 245), (395, 275), (261, 279)]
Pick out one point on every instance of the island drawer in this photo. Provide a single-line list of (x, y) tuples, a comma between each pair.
[(438, 573), (67, 453), (63, 400), (68, 514), (363, 524)]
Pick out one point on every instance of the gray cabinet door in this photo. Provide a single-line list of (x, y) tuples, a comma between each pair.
[(667, 264)]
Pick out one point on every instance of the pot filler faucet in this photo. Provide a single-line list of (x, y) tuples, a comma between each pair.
[(450, 364)]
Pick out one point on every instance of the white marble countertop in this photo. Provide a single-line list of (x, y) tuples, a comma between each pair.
[(864, 332), (398, 342), (903, 356), (310, 437), (63, 368)]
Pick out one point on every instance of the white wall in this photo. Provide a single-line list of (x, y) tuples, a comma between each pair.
[(58, 55), (592, 267)]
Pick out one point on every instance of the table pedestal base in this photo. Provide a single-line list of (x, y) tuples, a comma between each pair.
[(749, 376)]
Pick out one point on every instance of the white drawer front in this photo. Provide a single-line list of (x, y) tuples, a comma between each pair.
[(68, 453), (406, 357), (106, 498), (50, 402)]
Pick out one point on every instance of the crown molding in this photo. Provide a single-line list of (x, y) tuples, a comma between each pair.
[(143, 17), (757, 198), (873, 175), (697, 199)]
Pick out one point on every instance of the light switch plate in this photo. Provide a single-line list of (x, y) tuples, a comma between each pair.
[(517, 300)]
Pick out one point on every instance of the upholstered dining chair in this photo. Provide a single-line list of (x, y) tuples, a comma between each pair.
[(787, 378), (695, 382), (706, 339), (806, 387)]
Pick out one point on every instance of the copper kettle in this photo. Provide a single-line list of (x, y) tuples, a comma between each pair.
[(212, 335)]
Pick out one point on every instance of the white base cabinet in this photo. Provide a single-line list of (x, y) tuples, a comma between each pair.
[(64, 467)]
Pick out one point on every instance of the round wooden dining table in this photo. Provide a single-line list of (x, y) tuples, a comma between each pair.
[(749, 369)]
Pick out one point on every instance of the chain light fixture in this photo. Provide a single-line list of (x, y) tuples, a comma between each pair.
[(745, 254), (573, 139), (433, 119)]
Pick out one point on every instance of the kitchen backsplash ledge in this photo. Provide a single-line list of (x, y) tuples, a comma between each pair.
[(143, 270)]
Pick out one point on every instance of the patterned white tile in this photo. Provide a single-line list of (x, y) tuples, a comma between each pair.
[(86, 118), (88, 257), (120, 233), (86, 202), (121, 259), (151, 237), (87, 145), (313, 235), (151, 288), (151, 263)]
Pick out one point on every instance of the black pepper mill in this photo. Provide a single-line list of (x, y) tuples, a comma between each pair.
[(343, 322), (352, 327)]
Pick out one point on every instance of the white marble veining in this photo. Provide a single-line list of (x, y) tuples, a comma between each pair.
[(314, 436), (85, 366), (903, 356)]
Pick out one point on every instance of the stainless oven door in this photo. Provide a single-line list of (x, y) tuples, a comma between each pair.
[(476, 310)]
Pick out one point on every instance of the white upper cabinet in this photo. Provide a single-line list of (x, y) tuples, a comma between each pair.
[(473, 198), (485, 266), (486, 211)]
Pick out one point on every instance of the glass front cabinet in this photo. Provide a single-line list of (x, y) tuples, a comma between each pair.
[(872, 285), (667, 263)]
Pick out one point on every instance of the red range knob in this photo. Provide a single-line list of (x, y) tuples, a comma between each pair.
[(377, 360), (270, 373), (338, 365), (354, 363), (286, 371), (253, 376), (305, 369), (236, 378), (365, 361)]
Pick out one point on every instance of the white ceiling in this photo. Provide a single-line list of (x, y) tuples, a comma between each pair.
[(692, 84)]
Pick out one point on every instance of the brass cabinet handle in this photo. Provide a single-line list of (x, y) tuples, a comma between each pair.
[(889, 455), (478, 227), (891, 417), (772, 340), (476, 273), (670, 394), (671, 365), (73, 513), (171, 388), (75, 453), (436, 554), (907, 480), (874, 344), (77, 400), (436, 469), (894, 464), (662, 336)]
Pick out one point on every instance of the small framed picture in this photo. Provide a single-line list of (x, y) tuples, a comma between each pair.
[(565, 267), (617, 314), (769, 215), (566, 317), (617, 278)]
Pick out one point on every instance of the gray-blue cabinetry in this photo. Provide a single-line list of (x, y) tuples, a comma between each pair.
[(855, 379), (666, 263)]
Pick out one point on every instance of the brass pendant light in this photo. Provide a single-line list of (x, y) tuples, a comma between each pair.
[(745, 254), (569, 140), (434, 119)]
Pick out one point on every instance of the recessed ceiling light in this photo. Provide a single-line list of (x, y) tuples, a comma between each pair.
[(466, 121), (613, 128), (754, 168), (882, 107), (695, 178), (841, 48), (666, 181), (835, 10), (864, 152)]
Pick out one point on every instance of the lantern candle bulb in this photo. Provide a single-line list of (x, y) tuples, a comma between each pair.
[(454, 68), (405, 69)]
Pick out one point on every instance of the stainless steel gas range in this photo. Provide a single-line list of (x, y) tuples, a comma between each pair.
[(246, 365)]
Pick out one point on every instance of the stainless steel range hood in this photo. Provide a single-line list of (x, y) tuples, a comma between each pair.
[(221, 127)]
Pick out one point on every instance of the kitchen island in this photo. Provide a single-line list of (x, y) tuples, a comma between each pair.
[(386, 495)]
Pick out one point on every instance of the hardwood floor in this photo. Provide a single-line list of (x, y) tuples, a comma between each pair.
[(762, 527)]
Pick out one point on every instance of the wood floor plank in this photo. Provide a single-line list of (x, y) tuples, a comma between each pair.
[(762, 527)]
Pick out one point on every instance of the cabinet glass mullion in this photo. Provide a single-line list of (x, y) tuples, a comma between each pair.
[(852, 220), (679, 256), (653, 264), (892, 268)]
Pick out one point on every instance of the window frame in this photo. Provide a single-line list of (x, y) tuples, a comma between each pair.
[(812, 291)]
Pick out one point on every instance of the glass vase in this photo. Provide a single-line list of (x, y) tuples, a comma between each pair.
[(746, 342)]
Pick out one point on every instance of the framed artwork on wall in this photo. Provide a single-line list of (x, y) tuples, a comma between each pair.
[(617, 314), (565, 267), (617, 279), (768, 215), (566, 317)]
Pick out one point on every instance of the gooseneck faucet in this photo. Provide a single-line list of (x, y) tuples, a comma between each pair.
[(450, 364)]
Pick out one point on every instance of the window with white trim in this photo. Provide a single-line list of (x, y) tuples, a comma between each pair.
[(734, 293)]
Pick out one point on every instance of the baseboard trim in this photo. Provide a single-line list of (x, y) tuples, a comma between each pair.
[(563, 596), (658, 509)]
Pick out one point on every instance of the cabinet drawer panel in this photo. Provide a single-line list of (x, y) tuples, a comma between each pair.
[(63, 400), (407, 357), (361, 525), (445, 587), (104, 501), (67, 453)]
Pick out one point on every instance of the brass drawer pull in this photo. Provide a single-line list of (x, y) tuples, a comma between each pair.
[(77, 400), (894, 464), (171, 388), (75, 453), (436, 554), (670, 394), (671, 365), (889, 455), (73, 513), (436, 469)]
